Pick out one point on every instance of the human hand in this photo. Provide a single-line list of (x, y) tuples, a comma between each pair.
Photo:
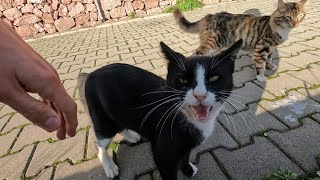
[(23, 70)]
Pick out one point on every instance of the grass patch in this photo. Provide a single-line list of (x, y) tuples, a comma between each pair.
[(184, 5), (114, 145), (133, 15), (283, 174)]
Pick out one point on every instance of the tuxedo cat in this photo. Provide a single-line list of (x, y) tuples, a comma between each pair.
[(176, 114)]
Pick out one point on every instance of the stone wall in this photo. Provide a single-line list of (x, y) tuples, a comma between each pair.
[(38, 17)]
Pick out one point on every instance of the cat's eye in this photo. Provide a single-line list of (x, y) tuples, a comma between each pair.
[(213, 78), (288, 18), (183, 81)]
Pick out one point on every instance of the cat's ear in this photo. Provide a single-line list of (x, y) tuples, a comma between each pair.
[(230, 53), (172, 56), (302, 2), (281, 4)]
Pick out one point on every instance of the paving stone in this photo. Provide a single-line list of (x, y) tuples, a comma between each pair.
[(71, 75), (130, 162), (247, 94), (218, 138), (131, 55), (240, 77), (255, 161), (208, 169), (162, 71), (302, 60), (252, 121), (3, 120), (310, 75), (145, 177), (6, 141), (302, 144), (243, 61), (291, 108), (295, 49), (91, 169), (5, 110), (311, 93), (49, 153), (12, 166), (147, 57), (45, 174), (16, 120), (313, 43), (157, 63), (316, 117), (31, 134), (278, 88), (145, 65), (307, 34)]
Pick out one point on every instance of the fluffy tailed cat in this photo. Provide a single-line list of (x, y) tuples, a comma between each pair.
[(261, 34), (176, 114)]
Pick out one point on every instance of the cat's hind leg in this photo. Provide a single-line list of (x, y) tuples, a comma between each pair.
[(270, 65), (130, 135), (110, 168), (260, 57)]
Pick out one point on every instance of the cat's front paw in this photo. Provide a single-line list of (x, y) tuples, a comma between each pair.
[(271, 67), (261, 78), (194, 168), (131, 136), (111, 170)]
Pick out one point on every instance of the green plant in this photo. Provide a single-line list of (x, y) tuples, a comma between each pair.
[(283, 174), (133, 15), (114, 145), (184, 5)]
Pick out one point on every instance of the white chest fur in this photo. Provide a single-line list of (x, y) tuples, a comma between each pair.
[(284, 33)]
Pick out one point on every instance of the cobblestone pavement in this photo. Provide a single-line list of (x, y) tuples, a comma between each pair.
[(276, 123)]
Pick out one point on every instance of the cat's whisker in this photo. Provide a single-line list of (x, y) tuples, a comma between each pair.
[(153, 109), (175, 115), (230, 94), (168, 97), (255, 118), (179, 63), (231, 119), (167, 118), (167, 111)]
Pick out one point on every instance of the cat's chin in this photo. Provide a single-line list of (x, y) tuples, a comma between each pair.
[(200, 112)]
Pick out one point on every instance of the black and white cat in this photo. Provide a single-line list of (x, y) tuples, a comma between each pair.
[(176, 114)]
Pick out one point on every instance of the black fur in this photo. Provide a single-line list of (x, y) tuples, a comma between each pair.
[(119, 97)]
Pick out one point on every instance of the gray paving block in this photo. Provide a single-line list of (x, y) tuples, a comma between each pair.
[(255, 161), (247, 123), (240, 77), (316, 117), (218, 138), (292, 108), (243, 61), (311, 93), (145, 177), (310, 75), (47, 153), (130, 162), (302, 144), (240, 97), (7, 140), (12, 166), (91, 169)]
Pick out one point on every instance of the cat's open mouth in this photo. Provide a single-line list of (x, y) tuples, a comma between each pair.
[(201, 112)]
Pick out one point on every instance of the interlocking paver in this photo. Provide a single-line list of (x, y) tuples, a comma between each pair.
[(255, 161), (291, 108), (247, 123), (136, 42), (302, 144), (12, 166)]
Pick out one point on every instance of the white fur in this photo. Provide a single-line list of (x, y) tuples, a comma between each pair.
[(131, 136), (200, 89), (109, 166), (284, 33), (195, 169)]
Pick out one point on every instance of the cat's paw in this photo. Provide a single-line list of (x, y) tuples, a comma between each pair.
[(271, 67), (111, 170), (194, 168), (261, 78), (131, 136)]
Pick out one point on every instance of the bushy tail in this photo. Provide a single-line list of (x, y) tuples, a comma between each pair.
[(81, 85), (184, 24)]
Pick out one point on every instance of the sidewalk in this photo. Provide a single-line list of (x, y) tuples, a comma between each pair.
[(275, 124)]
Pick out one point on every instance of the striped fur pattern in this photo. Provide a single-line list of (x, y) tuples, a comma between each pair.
[(261, 34)]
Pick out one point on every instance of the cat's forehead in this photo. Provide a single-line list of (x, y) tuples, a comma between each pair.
[(293, 8)]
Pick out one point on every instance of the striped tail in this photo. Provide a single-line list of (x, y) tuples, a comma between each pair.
[(184, 24)]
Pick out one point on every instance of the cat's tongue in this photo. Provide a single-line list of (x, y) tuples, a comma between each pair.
[(201, 112)]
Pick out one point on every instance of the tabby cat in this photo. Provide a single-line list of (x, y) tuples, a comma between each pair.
[(261, 34), (176, 114)]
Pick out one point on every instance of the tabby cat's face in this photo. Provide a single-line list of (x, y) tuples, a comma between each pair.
[(203, 82), (289, 15)]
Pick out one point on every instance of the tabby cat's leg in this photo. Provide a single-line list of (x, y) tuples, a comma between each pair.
[(109, 166), (260, 54), (130, 136), (270, 65), (187, 167)]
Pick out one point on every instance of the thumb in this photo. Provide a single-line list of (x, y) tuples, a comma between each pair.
[(36, 111)]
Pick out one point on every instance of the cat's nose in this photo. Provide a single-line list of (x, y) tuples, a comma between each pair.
[(200, 97)]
